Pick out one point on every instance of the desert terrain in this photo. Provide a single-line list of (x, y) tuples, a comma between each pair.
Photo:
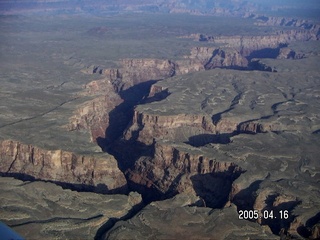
[(160, 119)]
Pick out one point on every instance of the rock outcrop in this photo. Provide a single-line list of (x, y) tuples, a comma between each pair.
[(120, 88), (287, 53), (39, 210), (155, 126), (238, 50), (93, 115), (211, 57), (173, 169), (135, 71), (246, 45), (99, 172)]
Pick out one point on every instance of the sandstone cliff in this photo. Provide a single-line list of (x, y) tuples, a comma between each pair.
[(135, 71), (155, 126), (211, 57), (251, 43), (99, 173), (120, 88), (175, 169), (148, 127), (93, 115), (247, 44)]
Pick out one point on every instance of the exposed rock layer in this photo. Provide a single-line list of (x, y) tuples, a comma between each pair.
[(93, 115), (172, 170), (98, 173)]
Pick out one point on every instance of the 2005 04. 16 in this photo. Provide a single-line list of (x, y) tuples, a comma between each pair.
[(265, 214)]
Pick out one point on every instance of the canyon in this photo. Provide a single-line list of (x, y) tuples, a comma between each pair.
[(142, 146)]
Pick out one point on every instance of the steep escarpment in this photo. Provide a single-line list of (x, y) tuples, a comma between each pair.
[(173, 170), (237, 51), (114, 96), (145, 128), (93, 115), (97, 173), (135, 71), (148, 127)]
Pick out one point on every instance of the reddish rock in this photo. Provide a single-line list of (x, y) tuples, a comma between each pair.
[(98, 172)]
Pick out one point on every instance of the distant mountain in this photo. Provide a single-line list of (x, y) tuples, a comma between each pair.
[(217, 7)]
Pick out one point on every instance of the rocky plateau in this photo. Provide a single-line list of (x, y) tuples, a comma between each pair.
[(44, 210)]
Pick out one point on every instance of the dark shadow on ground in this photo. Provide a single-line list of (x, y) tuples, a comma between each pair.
[(148, 192), (100, 188), (214, 188), (159, 96), (102, 231), (120, 116), (245, 199), (266, 52), (310, 227), (316, 132), (204, 139), (127, 152), (282, 214)]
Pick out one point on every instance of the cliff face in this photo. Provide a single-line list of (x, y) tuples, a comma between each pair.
[(172, 170), (147, 127), (135, 71), (211, 57), (240, 47), (108, 94), (250, 43), (100, 174), (238, 50), (93, 115)]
